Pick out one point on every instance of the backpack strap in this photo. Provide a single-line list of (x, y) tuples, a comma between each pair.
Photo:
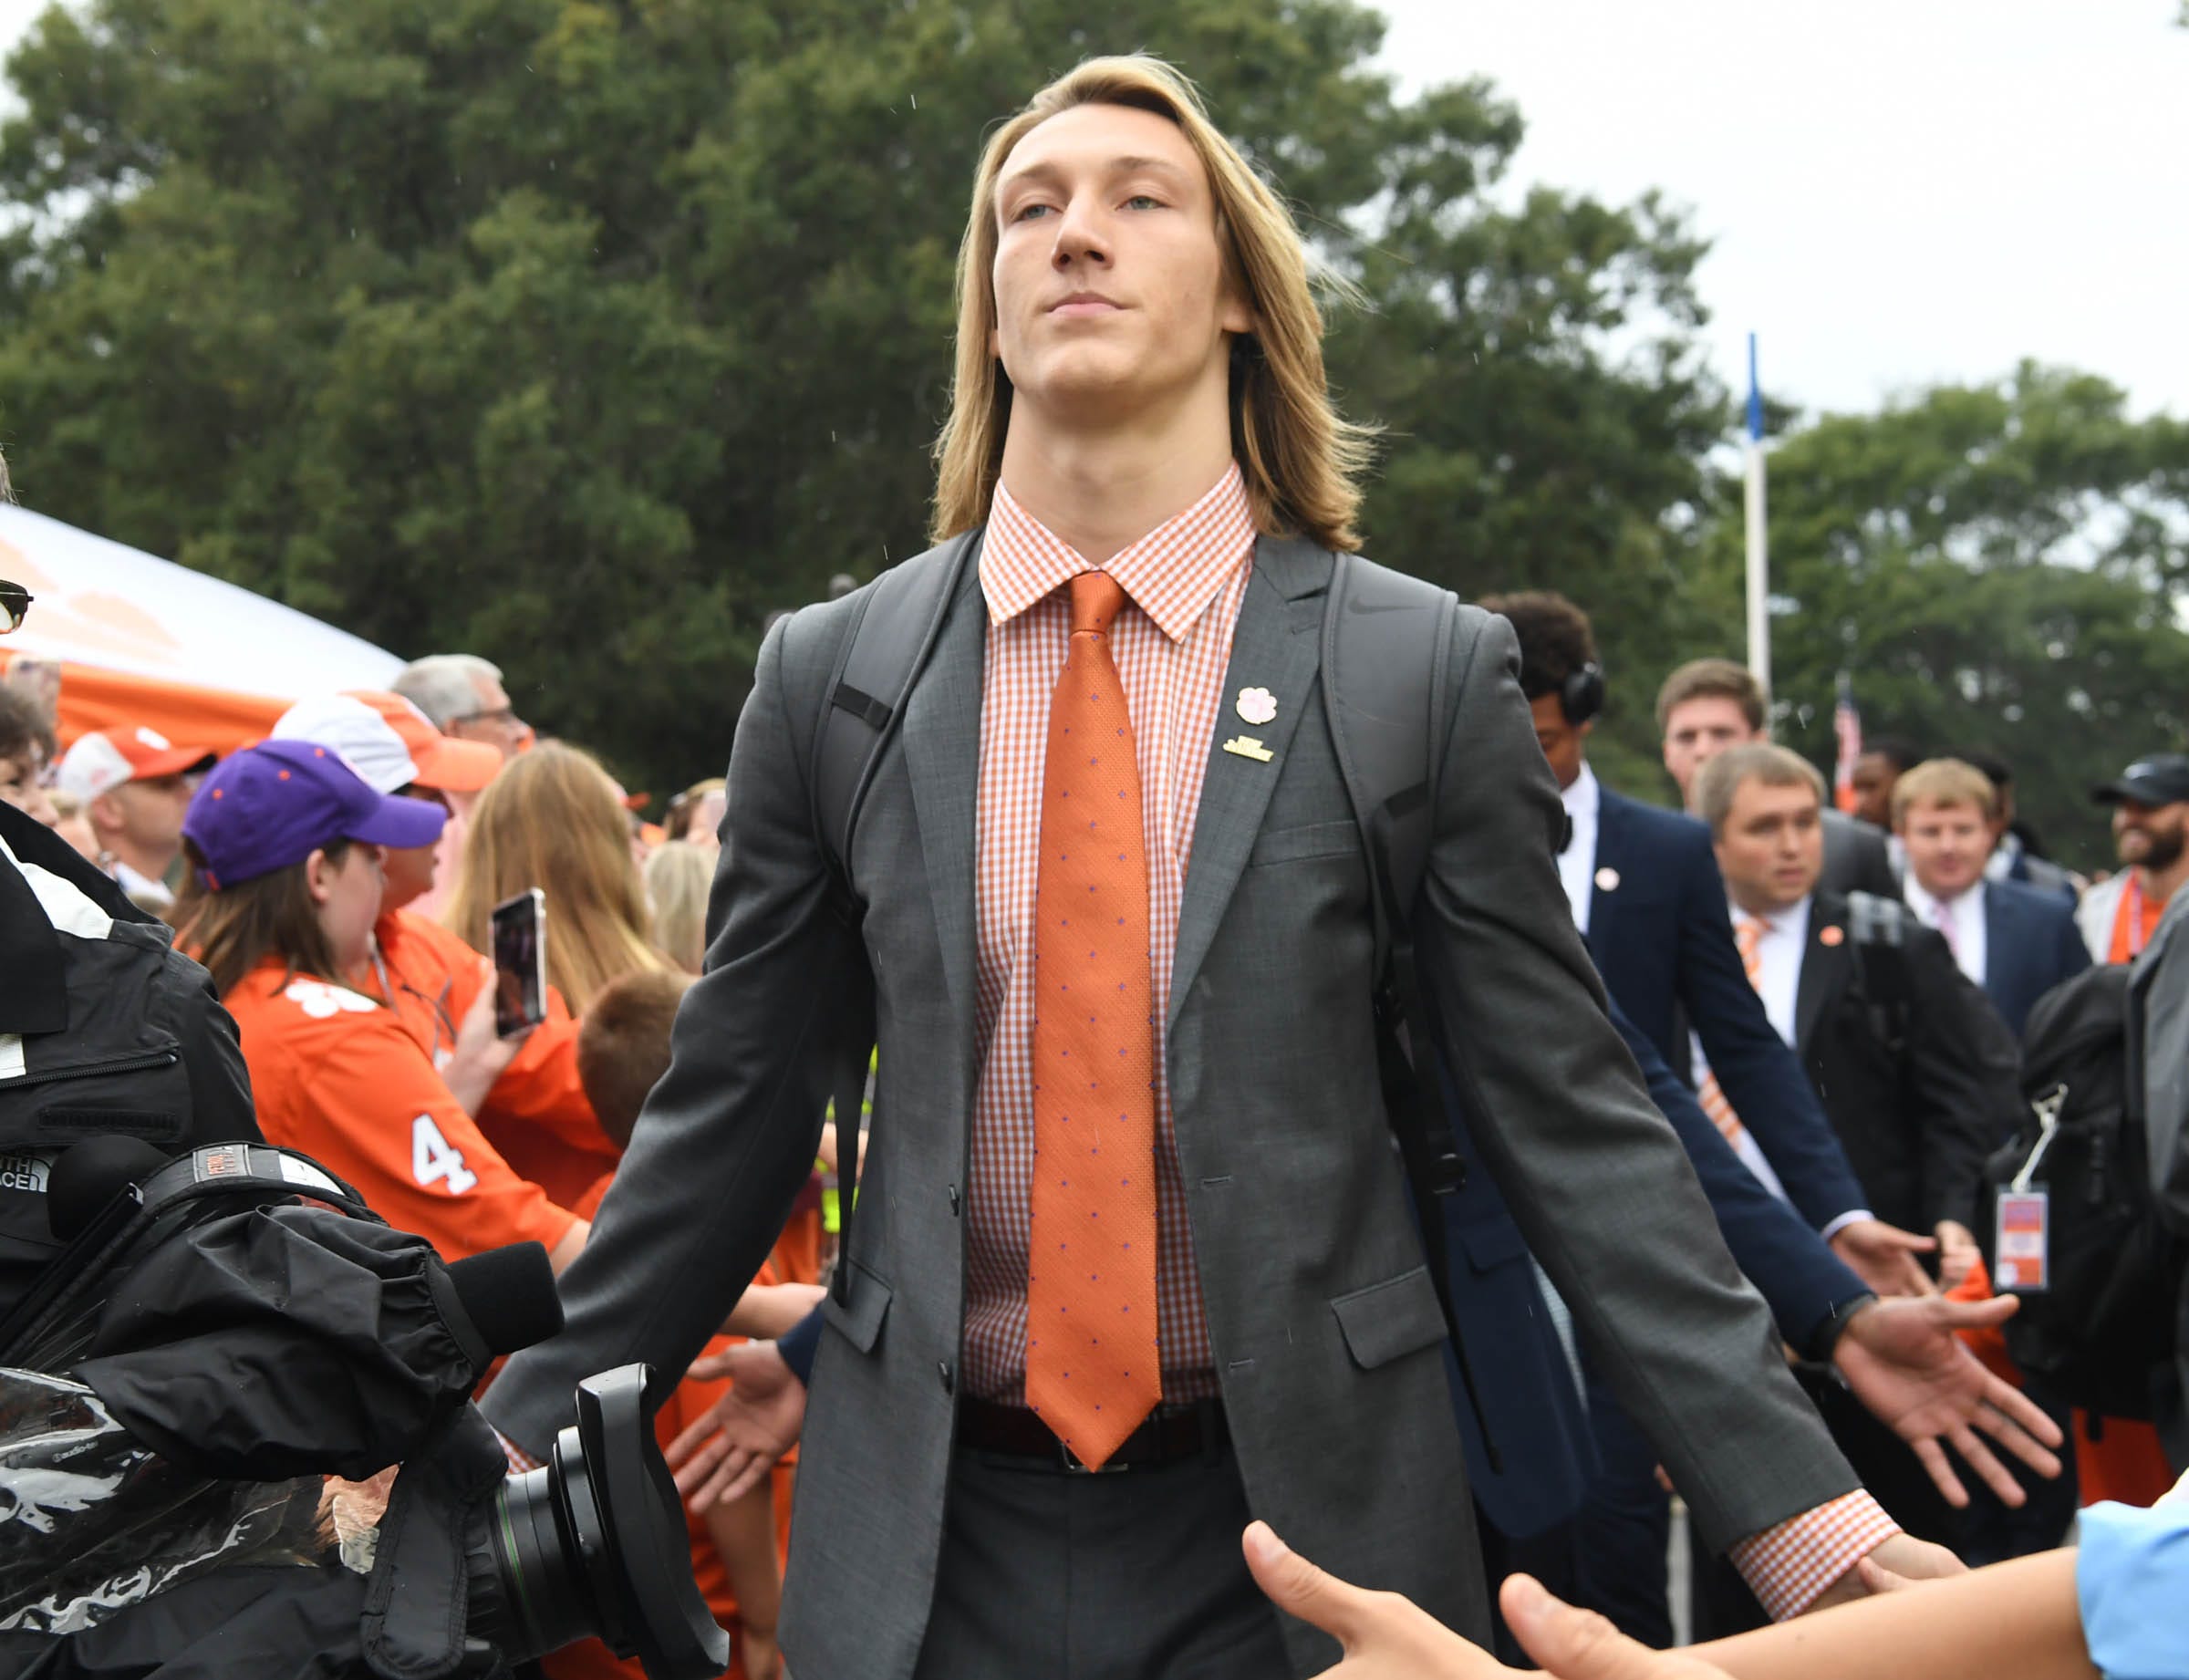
[(1386, 670), (895, 623), (1877, 928)]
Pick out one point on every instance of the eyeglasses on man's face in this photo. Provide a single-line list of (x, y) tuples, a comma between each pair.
[(15, 604)]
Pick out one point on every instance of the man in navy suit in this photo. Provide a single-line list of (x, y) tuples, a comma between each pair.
[(1645, 889), (2014, 940), (1646, 892), (1532, 1442)]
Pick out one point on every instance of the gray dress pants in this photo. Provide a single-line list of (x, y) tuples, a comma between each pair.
[(1131, 1576)]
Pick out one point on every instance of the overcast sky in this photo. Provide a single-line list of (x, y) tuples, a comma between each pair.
[(1899, 190)]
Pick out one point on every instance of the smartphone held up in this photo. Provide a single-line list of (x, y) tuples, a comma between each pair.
[(520, 940)]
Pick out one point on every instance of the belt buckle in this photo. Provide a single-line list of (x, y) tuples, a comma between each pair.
[(1072, 1467)]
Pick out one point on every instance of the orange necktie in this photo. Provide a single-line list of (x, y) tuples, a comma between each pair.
[(1092, 1370), (1748, 933)]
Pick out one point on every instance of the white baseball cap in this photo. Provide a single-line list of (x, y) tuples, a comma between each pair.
[(103, 760), (363, 737)]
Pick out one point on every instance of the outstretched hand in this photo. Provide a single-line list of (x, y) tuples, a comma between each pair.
[(1884, 1257), (722, 1455), (1903, 1361), (1386, 1636), (1580, 1644)]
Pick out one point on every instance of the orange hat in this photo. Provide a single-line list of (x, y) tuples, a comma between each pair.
[(444, 762), (105, 759)]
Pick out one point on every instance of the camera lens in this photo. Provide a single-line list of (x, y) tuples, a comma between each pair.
[(594, 1544)]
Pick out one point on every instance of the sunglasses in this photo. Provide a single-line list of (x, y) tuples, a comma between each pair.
[(14, 606)]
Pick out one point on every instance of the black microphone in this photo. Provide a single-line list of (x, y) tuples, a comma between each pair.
[(509, 1295), (87, 1176)]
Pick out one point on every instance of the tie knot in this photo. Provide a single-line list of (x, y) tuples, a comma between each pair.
[(1749, 931), (1097, 598)]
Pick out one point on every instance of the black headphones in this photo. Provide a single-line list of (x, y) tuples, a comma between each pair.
[(1581, 696)]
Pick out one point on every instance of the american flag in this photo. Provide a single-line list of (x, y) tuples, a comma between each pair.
[(1847, 724)]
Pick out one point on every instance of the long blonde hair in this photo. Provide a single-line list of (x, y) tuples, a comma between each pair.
[(552, 820), (1302, 461), (677, 877)]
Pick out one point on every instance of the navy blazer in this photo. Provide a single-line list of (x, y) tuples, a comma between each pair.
[(1530, 1406), (1663, 939), (2031, 945)]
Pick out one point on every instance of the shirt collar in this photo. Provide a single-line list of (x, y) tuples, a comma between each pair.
[(1583, 798), (1171, 574), (1926, 905)]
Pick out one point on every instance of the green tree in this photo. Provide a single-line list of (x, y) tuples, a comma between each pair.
[(2003, 566), (585, 334)]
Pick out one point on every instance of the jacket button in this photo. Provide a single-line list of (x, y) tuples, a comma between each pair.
[(953, 1201), (942, 1370)]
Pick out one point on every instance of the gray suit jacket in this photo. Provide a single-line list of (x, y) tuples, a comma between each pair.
[(1321, 1312)]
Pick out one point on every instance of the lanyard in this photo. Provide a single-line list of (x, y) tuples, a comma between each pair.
[(2131, 907)]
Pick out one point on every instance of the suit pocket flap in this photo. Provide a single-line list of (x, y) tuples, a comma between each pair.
[(1285, 845), (860, 1324), (1385, 1319)]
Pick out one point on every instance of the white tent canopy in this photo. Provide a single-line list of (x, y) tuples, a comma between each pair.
[(140, 639)]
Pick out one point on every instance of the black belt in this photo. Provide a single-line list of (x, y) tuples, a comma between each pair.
[(1168, 1436)]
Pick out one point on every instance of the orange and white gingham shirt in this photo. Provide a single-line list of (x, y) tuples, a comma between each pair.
[(1185, 581)]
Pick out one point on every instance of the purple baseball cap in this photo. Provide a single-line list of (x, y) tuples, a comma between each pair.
[(274, 804)]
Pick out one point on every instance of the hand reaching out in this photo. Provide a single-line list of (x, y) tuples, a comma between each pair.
[(1385, 1636), (1903, 1361), (1957, 1253), (724, 1455), (482, 1053), (1884, 1257)]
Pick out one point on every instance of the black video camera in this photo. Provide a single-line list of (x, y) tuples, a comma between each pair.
[(201, 1404)]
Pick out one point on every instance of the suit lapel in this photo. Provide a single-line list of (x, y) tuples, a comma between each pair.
[(1611, 855), (942, 758), (2000, 939), (1823, 962), (1275, 646)]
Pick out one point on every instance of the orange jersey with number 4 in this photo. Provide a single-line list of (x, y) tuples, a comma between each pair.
[(339, 1078)]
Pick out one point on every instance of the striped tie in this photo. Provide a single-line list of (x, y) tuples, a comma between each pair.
[(1748, 933)]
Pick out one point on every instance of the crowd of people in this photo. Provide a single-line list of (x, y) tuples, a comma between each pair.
[(1736, 1069), (335, 881)]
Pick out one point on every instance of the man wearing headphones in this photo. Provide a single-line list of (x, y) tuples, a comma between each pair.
[(1646, 895)]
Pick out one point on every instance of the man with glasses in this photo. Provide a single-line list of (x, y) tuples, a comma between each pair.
[(463, 695)]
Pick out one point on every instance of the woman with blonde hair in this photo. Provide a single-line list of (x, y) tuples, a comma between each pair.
[(677, 878), (553, 819)]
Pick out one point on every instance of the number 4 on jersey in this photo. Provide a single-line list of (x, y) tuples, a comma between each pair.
[(432, 1158)]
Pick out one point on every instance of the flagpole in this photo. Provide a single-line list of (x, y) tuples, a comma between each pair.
[(1760, 588)]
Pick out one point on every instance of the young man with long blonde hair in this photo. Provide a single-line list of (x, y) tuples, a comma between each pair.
[(1129, 1202)]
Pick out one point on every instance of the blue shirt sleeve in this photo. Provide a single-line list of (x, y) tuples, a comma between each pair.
[(2132, 1580), (799, 1344)]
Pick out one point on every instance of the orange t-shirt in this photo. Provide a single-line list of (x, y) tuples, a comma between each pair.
[(536, 1117), (2127, 937), (338, 1077)]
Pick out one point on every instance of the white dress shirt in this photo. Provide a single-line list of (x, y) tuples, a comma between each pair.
[(1577, 863), (1959, 918)]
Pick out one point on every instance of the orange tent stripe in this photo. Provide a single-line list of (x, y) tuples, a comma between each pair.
[(188, 715)]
